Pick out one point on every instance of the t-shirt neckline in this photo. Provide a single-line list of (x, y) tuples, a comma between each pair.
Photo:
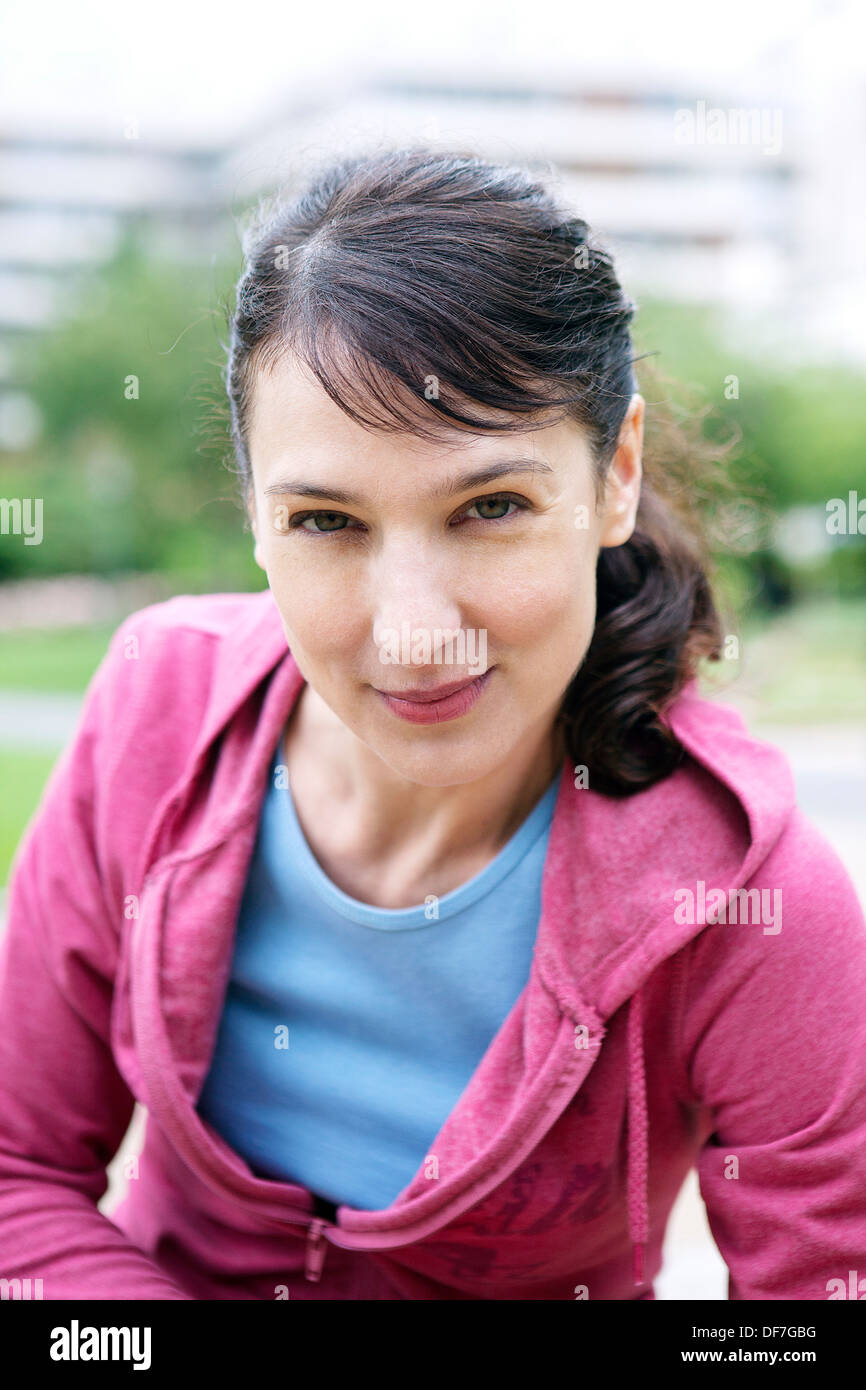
[(281, 802)]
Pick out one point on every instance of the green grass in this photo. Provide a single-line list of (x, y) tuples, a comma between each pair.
[(57, 660), (807, 666), (22, 777)]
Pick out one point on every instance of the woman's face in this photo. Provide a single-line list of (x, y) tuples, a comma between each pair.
[(399, 553)]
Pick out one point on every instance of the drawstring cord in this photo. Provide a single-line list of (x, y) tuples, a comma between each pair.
[(638, 1212)]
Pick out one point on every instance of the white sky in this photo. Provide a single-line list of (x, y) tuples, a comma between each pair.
[(201, 72)]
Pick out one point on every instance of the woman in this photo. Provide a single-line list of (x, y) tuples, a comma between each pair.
[(430, 993)]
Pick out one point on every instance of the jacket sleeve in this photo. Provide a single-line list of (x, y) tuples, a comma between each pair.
[(64, 1107), (773, 1039)]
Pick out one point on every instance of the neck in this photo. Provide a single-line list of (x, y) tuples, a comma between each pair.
[(393, 813)]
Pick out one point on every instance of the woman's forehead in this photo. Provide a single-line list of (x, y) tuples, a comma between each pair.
[(293, 417)]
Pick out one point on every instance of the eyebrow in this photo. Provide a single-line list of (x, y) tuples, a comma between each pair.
[(477, 478)]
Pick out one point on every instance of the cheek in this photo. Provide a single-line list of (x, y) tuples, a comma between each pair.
[(543, 604), (315, 604)]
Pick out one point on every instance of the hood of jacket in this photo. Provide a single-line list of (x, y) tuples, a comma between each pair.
[(206, 701)]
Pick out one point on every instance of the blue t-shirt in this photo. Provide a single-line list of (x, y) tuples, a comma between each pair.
[(349, 1032)]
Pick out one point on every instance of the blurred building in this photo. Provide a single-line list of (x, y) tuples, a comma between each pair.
[(728, 198)]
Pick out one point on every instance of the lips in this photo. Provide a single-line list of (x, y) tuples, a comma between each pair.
[(428, 695)]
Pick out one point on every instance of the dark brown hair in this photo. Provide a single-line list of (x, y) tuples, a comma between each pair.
[(396, 268)]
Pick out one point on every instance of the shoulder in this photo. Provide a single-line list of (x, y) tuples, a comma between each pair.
[(168, 668), (186, 616), (170, 678), (790, 934), (786, 966), (179, 642)]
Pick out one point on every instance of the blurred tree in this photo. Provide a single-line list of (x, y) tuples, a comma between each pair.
[(129, 464), (802, 438)]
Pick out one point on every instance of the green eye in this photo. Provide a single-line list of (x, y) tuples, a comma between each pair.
[(495, 502), (314, 516)]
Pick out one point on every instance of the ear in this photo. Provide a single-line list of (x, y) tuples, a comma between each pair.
[(622, 484)]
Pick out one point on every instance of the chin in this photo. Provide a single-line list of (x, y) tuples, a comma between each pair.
[(440, 767)]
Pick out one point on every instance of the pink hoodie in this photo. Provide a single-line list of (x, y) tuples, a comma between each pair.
[(645, 1041)]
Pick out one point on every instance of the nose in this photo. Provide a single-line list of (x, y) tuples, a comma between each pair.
[(414, 602)]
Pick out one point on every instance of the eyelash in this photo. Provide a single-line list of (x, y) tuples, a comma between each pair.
[(520, 503)]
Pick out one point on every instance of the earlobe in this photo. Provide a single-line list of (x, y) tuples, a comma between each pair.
[(619, 529), (622, 515)]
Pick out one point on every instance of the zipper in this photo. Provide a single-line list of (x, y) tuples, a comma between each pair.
[(167, 1098), (317, 1248)]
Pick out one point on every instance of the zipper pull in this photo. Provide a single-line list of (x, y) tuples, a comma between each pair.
[(316, 1250)]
